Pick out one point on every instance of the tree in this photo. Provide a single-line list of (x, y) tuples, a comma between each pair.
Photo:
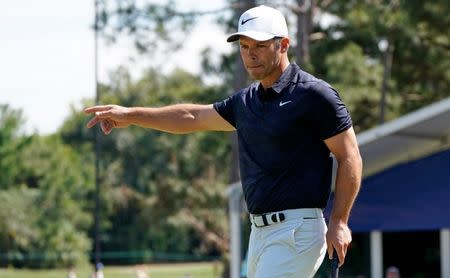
[(361, 94), (11, 141), (18, 225), (420, 70), (169, 186), (60, 202), (42, 198)]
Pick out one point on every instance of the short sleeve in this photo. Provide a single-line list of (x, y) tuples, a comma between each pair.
[(226, 109), (328, 112)]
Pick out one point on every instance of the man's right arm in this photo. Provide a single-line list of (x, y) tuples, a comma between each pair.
[(178, 118)]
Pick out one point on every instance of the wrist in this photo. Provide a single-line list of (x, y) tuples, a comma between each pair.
[(338, 220), (132, 115), (138, 115)]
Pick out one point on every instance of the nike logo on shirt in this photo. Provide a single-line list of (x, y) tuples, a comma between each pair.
[(284, 103), (247, 20)]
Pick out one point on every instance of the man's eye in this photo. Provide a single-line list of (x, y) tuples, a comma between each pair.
[(261, 45), (244, 46)]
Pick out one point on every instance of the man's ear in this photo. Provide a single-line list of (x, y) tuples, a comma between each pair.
[(284, 45)]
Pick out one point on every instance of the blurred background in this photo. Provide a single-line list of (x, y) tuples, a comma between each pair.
[(138, 199)]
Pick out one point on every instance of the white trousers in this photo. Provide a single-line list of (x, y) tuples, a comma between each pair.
[(295, 247)]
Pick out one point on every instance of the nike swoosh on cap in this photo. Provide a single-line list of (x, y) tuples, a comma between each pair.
[(247, 20)]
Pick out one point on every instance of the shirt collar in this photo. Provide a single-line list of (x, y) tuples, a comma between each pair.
[(286, 77)]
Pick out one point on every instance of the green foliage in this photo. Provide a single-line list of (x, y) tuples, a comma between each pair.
[(149, 177), (150, 24), (60, 178), (421, 64), (161, 170), (43, 208), (359, 81), (11, 141), (18, 228)]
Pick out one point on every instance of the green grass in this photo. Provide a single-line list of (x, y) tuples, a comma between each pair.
[(181, 270)]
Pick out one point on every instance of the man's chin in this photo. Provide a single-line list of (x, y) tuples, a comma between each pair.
[(255, 76)]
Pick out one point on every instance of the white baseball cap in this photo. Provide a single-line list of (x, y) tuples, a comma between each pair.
[(261, 23)]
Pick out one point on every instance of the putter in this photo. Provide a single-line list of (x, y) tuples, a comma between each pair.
[(335, 265)]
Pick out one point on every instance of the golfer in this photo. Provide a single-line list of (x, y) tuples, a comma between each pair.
[(288, 123)]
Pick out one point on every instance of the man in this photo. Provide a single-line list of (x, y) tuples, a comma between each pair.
[(392, 272), (287, 125)]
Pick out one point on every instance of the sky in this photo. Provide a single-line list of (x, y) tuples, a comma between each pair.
[(47, 56)]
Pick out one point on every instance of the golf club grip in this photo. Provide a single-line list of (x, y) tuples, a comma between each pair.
[(335, 265)]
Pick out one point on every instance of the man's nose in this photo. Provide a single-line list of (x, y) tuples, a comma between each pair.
[(252, 53)]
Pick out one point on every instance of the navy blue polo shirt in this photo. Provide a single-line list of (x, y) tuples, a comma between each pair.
[(284, 162)]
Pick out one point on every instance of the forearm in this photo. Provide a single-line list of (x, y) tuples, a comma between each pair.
[(179, 118), (348, 181)]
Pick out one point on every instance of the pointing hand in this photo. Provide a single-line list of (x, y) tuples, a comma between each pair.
[(109, 117)]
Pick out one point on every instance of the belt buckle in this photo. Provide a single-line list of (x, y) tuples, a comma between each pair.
[(257, 219), (268, 219)]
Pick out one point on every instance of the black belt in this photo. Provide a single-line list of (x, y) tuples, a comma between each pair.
[(270, 218), (267, 219)]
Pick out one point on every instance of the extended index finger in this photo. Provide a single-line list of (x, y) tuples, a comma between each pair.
[(92, 122), (97, 108)]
